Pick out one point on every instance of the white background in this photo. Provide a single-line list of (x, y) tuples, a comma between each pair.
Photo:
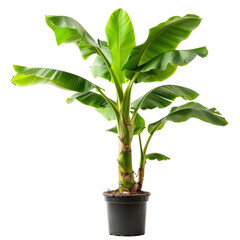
[(56, 159)]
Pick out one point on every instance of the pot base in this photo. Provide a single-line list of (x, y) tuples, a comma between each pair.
[(126, 213)]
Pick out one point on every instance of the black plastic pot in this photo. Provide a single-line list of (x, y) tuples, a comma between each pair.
[(126, 213)]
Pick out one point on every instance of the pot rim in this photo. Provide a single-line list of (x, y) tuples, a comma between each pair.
[(123, 198)]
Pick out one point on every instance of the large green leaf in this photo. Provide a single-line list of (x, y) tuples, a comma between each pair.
[(163, 96), (68, 30), (164, 65), (158, 156), (31, 76), (94, 100), (187, 111), (174, 57), (121, 40), (164, 37), (138, 126)]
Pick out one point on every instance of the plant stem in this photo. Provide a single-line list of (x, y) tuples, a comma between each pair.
[(141, 170), (126, 175), (126, 103), (116, 82), (146, 145), (114, 108)]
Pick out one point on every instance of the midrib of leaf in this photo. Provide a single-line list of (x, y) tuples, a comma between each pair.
[(119, 51), (147, 45)]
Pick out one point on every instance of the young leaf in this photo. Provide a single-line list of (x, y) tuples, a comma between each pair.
[(121, 40), (164, 37), (158, 156), (163, 96), (187, 111), (31, 76)]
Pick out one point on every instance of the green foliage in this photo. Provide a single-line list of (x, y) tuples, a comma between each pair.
[(187, 111), (163, 96), (164, 37), (32, 76), (156, 156), (175, 57), (99, 69), (121, 40), (118, 60), (95, 100)]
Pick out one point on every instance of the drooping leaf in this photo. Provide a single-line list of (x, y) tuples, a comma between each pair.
[(31, 76), (164, 37), (138, 126), (89, 98), (163, 96), (68, 30), (94, 100), (156, 75), (175, 57), (187, 111), (99, 69), (158, 156), (121, 40), (164, 65)]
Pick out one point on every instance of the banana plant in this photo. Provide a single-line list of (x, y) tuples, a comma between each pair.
[(119, 61)]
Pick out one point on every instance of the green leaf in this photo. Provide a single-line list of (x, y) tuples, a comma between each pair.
[(113, 130), (187, 111), (138, 126), (99, 69), (89, 98), (158, 156), (163, 96), (175, 57), (164, 65), (94, 100), (31, 76), (121, 40), (68, 30), (164, 37), (107, 112), (156, 75)]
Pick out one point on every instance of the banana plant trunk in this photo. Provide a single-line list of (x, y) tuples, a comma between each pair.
[(126, 174)]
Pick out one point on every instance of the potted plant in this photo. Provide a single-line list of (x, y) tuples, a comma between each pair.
[(122, 63)]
